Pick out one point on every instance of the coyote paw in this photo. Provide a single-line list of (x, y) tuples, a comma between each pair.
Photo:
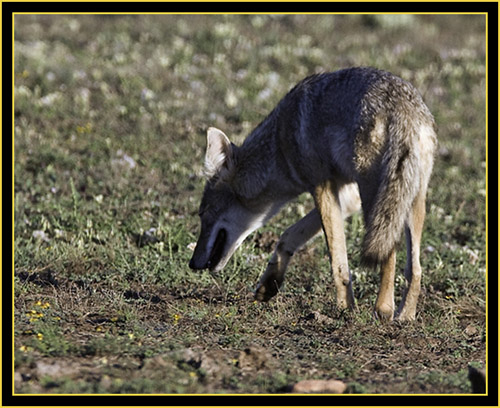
[(266, 291), (407, 310), (384, 312), (406, 316)]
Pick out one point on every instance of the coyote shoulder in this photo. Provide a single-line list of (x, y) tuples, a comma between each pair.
[(355, 138)]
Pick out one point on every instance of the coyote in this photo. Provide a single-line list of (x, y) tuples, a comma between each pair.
[(358, 137)]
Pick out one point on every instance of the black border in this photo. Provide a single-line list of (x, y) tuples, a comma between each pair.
[(222, 7), (248, 7)]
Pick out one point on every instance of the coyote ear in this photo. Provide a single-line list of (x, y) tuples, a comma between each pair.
[(219, 159)]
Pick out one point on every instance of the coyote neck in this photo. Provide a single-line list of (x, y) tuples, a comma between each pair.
[(262, 169)]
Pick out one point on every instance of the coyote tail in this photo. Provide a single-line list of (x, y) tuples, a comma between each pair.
[(399, 184)]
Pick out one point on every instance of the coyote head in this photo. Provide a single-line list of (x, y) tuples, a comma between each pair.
[(226, 211)]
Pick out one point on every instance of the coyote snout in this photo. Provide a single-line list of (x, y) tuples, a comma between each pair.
[(354, 138), (225, 219), (200, 259)]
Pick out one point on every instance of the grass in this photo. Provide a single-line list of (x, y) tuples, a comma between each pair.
[(110, 121)]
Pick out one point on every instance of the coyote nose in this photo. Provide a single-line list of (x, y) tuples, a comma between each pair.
[(196, 265)]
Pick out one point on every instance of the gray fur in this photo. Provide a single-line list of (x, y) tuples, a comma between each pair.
[(358, 125)]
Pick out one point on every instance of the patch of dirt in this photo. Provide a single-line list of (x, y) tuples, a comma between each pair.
[(208, 368), (217, 345)]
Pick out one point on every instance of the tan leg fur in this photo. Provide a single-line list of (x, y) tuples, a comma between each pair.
[(413, 271), (328, 205), (384, 306)]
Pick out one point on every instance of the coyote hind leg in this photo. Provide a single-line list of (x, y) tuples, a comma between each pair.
[(327, 200), (291, 240), (384, 306), (413, 271)]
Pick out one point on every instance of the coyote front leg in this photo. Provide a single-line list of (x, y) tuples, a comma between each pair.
[(291, 240), (327, 200)]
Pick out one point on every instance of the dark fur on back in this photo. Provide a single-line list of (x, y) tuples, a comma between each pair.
[(357, 124)]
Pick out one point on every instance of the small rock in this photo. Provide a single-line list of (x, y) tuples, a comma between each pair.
[(319, 387), (47, 369), (471, 330), (321, 318), (105, 382), (18, 378), (40, 235), (155, 363), (55, 369), (254, 358)]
